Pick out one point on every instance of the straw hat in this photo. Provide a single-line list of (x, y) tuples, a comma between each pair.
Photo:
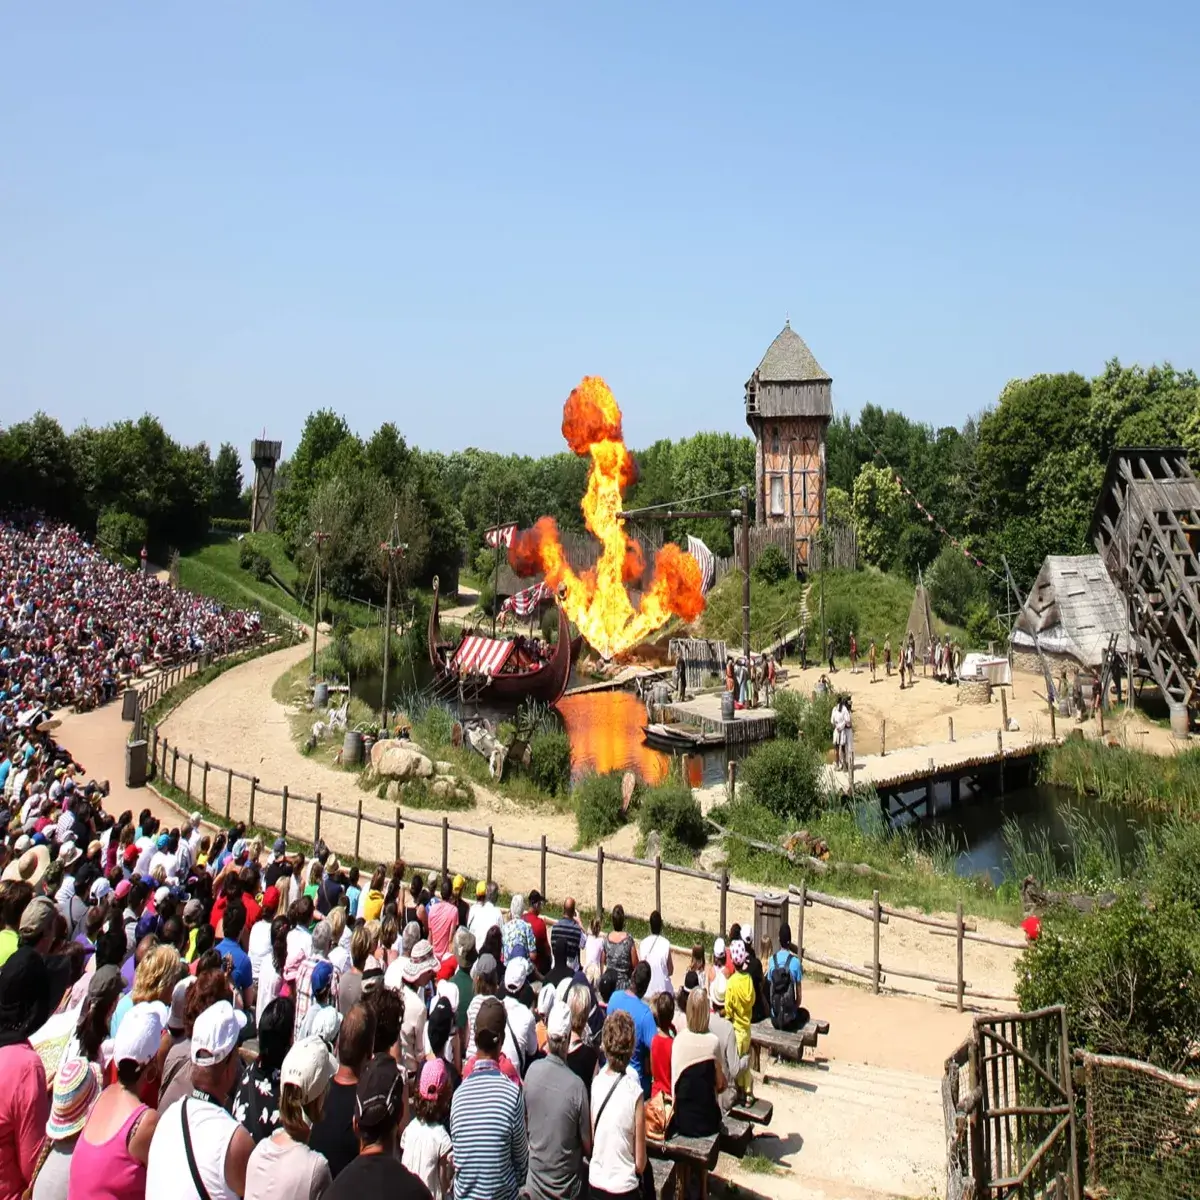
[(30, 867), (75, 1091)]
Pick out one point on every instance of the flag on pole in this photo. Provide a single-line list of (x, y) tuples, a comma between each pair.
[(704, 558), (500, 535), (526, 601)]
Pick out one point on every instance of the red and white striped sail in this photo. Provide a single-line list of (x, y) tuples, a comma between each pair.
[(481, 656)]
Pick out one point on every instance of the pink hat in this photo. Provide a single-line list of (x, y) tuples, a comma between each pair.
[(433, 1078)]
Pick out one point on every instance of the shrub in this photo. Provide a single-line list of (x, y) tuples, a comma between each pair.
[(955, 586), (550, 762), (981, 626), (803, 717), (437, 726), (842, 618), (1128, 975), (598, 806), (789, 712), (121, 530), (229, 524), (772, 566), (671, 808), (786, 778)]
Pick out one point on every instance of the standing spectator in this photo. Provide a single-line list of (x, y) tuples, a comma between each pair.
[(619, 1121), (558, 1112), (333, 1133), (485, 913), (541, 940), (465, 957), (620, 950), (370, 902), (233, 923), (425, 1145), (566, 938), (456, 891), (377, 1173), (283, 1167), (697, 1076), (631, 1000), (220, 1147), (582, 1054), (256, 1100), (350, 985), (593, 947), (443, 920), (111, 1155), (739, 1005), (24, 1100), (258, 944), (656, 951), (76, 1089), (516, 934), (487, 1120), (322, 1018)]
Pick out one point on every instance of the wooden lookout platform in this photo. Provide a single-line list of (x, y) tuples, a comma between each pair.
[(748, 724)]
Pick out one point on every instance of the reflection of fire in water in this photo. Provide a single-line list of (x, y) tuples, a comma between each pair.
[(596, 599), (605, 729)]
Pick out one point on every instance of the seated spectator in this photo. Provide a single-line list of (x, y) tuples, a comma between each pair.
[(697, 1076), (516, 935), (256, 1100), (76, 1089), (443, 920), (425, 1145), (656, 950), (631, 1000), (663, 1007), (24, 1099), (620, 950), (618, 1158)]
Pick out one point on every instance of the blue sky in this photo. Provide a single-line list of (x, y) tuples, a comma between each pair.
[(444, 215)]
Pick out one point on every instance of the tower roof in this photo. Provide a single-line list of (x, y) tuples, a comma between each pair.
[(789, 360)]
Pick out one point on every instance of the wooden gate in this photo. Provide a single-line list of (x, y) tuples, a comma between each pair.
[(1010, 1124)]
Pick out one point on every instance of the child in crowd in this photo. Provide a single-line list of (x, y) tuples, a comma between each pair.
[(739, 1009), (593, 948), (425, 1145)]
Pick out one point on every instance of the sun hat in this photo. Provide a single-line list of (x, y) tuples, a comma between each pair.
[(433, 1078), (420, 962), (485, 968), (100, 889), (140, 1032), (309, 1066), (380, 1094), (481, 889), (193, 913), (122, 889), (30, 866), (515, 974), (37, 919), (76, 1087), (215, 1033), (70, 853), (22, 843), (558, 1023), (716, 990), (737, 952)]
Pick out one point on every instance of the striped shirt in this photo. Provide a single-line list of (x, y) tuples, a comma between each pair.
[(487, 1129), (566, 937)]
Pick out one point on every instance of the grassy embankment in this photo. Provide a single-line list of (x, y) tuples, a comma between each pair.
[(1158, 784)]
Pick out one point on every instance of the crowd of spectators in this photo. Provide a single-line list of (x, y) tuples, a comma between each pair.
[(185, 1012), (73, 625)]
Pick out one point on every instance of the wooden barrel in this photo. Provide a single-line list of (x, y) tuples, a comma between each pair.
[(321, 695), (727, 706), (352, 748)]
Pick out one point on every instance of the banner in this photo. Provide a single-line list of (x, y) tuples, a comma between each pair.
[(500, 535)]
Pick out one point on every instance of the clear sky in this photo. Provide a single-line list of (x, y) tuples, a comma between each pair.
[(443, 215)]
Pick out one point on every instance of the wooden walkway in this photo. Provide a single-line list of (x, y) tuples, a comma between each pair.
[(748, 724), (619, 680)]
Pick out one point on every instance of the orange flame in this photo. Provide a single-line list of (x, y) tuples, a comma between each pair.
[(596, 599)]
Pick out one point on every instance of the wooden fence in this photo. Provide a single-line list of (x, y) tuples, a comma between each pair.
[(357, 834)]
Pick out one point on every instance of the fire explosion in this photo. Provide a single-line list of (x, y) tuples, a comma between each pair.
[(597, 600)]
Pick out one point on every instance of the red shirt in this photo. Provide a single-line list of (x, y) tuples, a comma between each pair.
[(252, 906), (542, 941), (24, 1108), (660, 1064), (506, 1067)]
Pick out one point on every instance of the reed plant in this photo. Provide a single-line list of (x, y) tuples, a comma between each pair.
[(1121, 775)]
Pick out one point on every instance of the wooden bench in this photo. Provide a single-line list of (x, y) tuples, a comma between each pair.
[(787, 1044), (758, 1112), (694, 1158), (736, 1136), (666, 1178)]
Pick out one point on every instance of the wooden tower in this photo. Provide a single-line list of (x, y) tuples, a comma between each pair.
[(789, 404), (265, 456)]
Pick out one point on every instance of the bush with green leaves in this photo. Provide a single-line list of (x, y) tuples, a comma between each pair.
[(121, 530), (955, 585), (841, 617), (771, 566), (981, 625), (598, 806), (671, 808), (1129, 977), (789, 713), (785, 777), (436, 727), (550, 762)]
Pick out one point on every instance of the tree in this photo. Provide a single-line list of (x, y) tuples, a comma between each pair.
[(878, 507), (837, 504), (227, 483), (955, 586), (121, 531), (1140, 406), (324, 431)]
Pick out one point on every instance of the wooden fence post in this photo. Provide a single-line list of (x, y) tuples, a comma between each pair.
[(1053, 725), (491, 842), (154, 745), (883, 738), (800, 918), (543, 872), (253, 786), (445, 846), (1000, 752), (658, 882), (731, 782), (204, 786), (724, 900), (399, 824), (1003, 709), (228, 791), (875, 924), (951, 720), (358, 830), (959, 937), (283, 813), (189, 778), (174, 763), (317, 821), (166, 751), (1100, 717), (600, 883)]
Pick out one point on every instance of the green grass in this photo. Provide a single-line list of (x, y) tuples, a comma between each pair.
[(760, 1164), (1156, 783), (774, 609)]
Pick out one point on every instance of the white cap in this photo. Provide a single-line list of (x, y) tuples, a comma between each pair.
[(558, 1023), (100, 888), (718, 947), (215, 1034), (716, 990), (140, 1032), (162, 893), (326, 1024), (450, 991), (515, 974), (310, 1066), (546, 1000), (179, 1002), (22, 844)]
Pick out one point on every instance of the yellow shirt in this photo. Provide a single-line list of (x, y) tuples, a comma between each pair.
[(739, 1006), (373, 905)]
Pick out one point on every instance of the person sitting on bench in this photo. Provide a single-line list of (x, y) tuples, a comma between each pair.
[(784, 980)]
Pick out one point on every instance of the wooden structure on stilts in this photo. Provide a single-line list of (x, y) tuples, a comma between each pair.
[(1146, 526)]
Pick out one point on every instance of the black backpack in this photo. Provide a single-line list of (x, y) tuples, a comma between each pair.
[(785, 1012)]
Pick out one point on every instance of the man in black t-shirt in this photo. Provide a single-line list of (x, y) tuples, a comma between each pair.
[(278, 862)]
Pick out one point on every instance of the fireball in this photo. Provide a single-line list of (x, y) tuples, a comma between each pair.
[(596, 599)]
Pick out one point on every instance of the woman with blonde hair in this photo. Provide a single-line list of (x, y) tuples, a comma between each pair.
[(339, 953), (371, 898), (154, 979), (389, 935), (697, 1078), (315, 874), (283, 1166), (582, 1056)]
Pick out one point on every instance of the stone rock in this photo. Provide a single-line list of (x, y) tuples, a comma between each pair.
[(444, 787), (384, 745), (393, 792), (712, 859), (400, 761), (653, 844), (443, 768)]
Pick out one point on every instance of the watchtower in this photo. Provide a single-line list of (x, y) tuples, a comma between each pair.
[(789, 404), (265, 456)]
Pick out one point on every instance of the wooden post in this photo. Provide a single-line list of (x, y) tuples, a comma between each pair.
[(883, 738), (165, 749), (724, 900), (658, 882), (951, 720), (358, 830), (317, 820), (929, 790), (228, 791), (1100, 718), (253, 786), (731, 782), (543, 872), (1003, 709), (1000, 751), (851, 772), (959, 931), (1053, 723), (800, 918), (204, 786), (154, 745), (975, 1130), (174, 763), (600, 883), (445, 846), (491, 842), (399, 823), (875, 914), (189, 778), (283, 812)]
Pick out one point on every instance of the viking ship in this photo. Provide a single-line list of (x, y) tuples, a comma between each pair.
[(512, 668)]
